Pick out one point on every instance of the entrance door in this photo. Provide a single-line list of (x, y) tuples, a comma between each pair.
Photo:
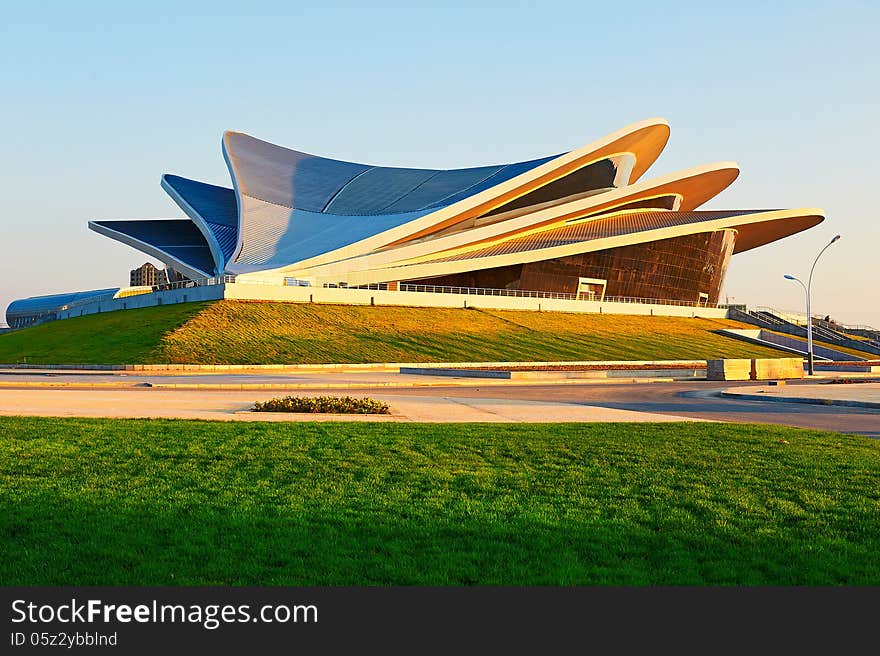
[(591, 289)]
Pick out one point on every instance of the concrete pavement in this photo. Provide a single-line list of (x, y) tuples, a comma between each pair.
[(854, 394), (314, 380), (229, 396), (232, 405)]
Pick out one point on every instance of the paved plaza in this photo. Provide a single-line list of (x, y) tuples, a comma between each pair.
[(846, 407)]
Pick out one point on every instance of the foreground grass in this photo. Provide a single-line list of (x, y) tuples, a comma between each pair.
[(137, 502), (123, 337)]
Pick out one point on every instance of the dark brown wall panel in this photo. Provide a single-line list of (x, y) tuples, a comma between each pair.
[(670, 269), (497, 278)]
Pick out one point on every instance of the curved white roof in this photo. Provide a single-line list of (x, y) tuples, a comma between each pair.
[(293, 214)]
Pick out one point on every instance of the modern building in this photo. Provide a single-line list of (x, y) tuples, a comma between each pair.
[(583, 224)]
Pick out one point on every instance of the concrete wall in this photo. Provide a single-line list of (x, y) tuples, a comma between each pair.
[(569, 374), (777, 368), (755, 369), (800, 346), (343, 296), (427, 299), (801, 331), (785, 343), (169, 297), (729, 369)]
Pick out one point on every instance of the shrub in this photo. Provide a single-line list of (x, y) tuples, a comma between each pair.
[(331, 404)]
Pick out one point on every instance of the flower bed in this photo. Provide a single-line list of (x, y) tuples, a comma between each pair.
[(323, 404)]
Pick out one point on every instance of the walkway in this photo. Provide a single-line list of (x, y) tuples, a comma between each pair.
[(234, 405)]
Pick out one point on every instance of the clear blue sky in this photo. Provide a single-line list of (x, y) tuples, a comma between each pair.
[(100, 98)]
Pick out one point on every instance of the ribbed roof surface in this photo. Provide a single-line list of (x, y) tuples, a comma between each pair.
[(214, 203), (179, 238), (294, 206), (215, 206), (226, 237), (297, 180), (275, 238), (286, 177), (53, 302), (598, 228)]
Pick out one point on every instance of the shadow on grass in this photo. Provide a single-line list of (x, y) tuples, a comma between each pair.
[(53, 542)]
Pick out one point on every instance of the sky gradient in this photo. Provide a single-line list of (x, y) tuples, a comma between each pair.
[(101, 98)]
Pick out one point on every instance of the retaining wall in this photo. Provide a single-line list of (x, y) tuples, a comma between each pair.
[(344, 296), (168, 297), (754, 369), (786, 343)]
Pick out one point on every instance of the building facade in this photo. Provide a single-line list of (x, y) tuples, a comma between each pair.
[(586, 223), (147, 275), (581, 220)]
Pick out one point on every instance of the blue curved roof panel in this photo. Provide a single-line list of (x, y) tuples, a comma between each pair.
[(226, 237), (318, 184), (304, 186), (374, 190), (503, 174), (213, 203), (159, 232), (440, 186), (294, 206), (178, 238), (214, 210), (298, 235), (287, 177)]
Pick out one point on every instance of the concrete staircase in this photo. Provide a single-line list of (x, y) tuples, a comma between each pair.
[(824, 331)]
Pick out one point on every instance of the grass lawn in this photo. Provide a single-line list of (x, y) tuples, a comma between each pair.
[(235, 332), (124, 337), (242, 333), (162, 502)]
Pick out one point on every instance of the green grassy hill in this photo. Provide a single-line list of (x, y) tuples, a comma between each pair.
[(234, 332), (123, 337)]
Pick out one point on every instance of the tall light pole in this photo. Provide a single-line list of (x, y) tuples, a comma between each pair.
[(807, 288)]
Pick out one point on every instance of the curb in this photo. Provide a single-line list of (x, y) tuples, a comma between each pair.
[(250, 415), (306, 386), (801, 399), (340, 367), (82, 385), (397, 385), (572, 374)]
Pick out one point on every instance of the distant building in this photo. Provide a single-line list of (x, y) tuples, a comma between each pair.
[(172, 275), (147, 275)]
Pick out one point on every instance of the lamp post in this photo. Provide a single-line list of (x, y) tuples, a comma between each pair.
[(807, 288)]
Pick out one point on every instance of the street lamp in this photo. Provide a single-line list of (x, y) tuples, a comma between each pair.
[(809, 314)]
